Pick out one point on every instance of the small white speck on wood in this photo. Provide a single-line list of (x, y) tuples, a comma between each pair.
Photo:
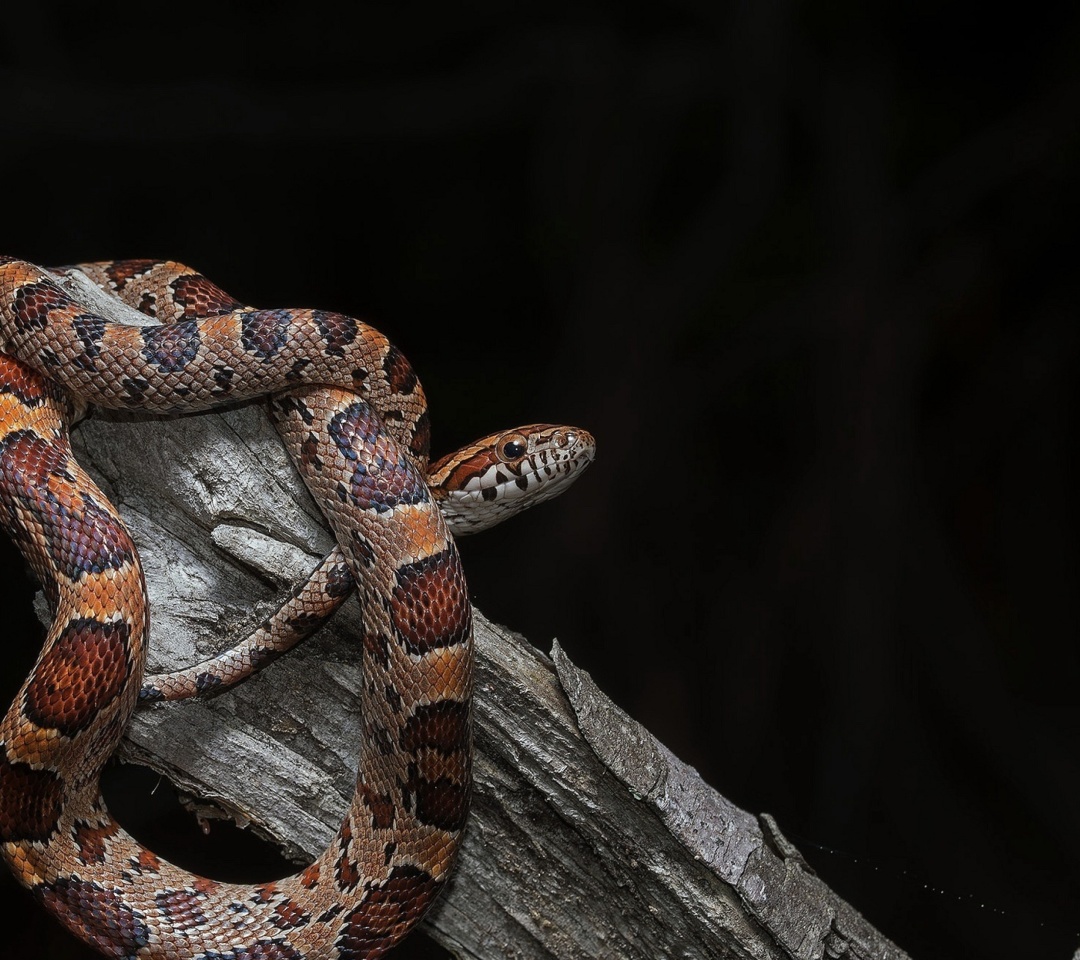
[(587, 838)]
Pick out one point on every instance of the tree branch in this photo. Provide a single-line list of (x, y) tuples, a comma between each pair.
[(587, 837)]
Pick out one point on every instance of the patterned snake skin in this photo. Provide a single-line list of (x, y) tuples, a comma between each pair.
[(354, 419), (476, 487)]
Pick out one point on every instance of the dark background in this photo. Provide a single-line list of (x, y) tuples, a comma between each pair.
[(806, 270)]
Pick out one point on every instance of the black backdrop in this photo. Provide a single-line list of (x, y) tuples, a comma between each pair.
[(804, 270)]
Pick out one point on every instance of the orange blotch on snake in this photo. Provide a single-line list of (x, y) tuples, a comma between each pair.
[(78, 675), (420, 441), (33, 302), (97, 915), (288, 915), (30, 802), (200, 297), (147, 862), (399, 372), (376, 647), (86, 538), (205, 885), (388, 912), (309, 878), (430, 607), (18, 380), (265, 892), (442, 726), (346, 870), (337, 331), (91, 840), (121, 271), (29, 461), (381, 807), (441, 803), (184, 908), (265, 333)]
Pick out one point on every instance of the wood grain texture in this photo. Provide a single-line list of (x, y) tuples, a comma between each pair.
[(587, 837)]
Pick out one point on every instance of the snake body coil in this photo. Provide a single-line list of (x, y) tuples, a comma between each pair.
[(354, 420)]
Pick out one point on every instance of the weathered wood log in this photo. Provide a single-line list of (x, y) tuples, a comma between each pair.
[(587, 838)]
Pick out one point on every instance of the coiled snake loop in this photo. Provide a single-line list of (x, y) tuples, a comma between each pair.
[(353, 416)]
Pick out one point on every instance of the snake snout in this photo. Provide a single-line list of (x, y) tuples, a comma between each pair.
[(582, 444)]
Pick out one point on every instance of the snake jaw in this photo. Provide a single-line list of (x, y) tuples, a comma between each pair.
[(484, 484)]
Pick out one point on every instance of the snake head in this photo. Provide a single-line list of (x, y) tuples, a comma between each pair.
[(507, 472)]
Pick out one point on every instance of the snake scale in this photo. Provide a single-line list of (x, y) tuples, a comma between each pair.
[(353, 416)]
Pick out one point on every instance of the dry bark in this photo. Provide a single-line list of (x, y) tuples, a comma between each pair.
[(587, 837)]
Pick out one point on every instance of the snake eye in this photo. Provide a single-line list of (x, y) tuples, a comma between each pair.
[(511, 447)]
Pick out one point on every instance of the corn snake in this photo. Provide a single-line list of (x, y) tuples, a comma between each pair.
[(354, 419)]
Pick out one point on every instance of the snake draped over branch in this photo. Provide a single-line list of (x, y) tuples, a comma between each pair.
[(353, 417)]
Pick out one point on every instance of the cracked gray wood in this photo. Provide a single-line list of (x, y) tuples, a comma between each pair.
[(587, 837)]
